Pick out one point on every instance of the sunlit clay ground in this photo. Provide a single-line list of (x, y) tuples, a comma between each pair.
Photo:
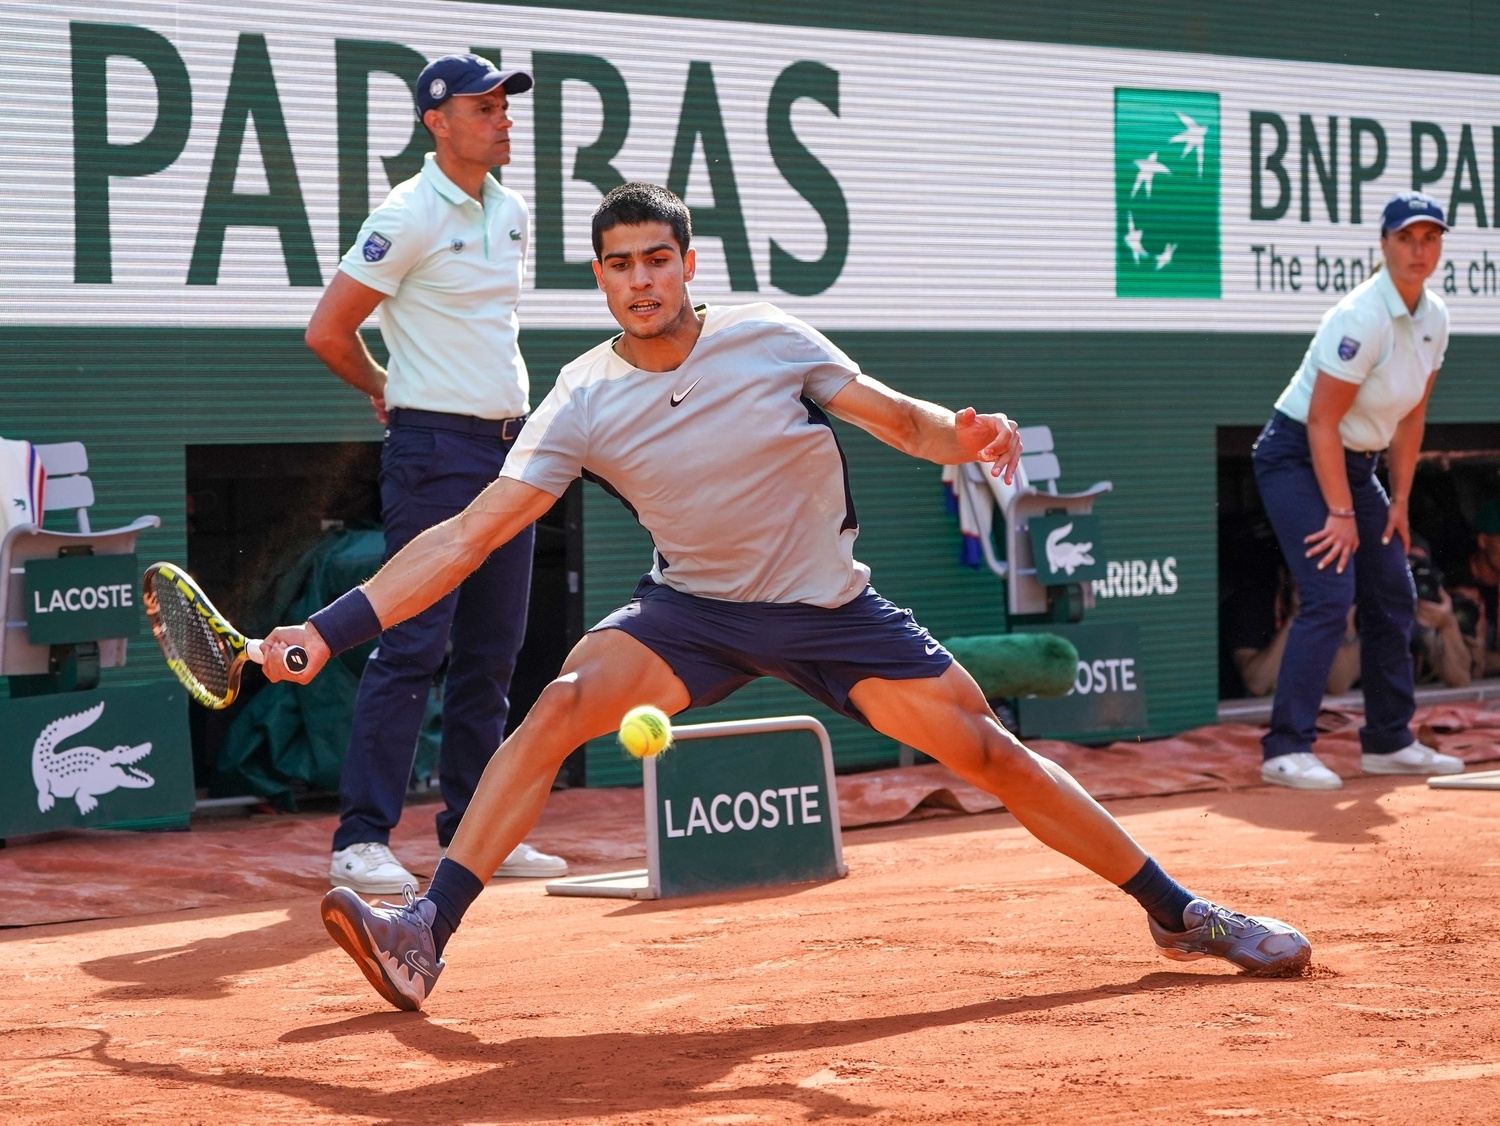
[(960, 974)]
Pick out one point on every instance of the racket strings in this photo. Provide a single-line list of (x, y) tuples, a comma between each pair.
[(203, 653)]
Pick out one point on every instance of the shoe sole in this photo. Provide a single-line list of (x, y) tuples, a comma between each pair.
[(528, 873), (348, 931), (367, 888), (1295, 965), (1299, 783), (1412, 771)]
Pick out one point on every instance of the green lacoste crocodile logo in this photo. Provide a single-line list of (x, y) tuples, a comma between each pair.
[(515, 236), (1166, 193)]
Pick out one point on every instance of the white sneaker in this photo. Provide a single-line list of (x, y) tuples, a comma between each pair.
[(1301, 770), (1415, 759), (369, 868), (528, 863)]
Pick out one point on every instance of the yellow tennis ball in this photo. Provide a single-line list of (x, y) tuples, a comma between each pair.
[(645, 731)]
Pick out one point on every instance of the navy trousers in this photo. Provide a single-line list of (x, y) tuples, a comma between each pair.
[(1377, 578), (426, 476)]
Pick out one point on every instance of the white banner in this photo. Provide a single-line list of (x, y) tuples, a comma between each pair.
[(960, 184)]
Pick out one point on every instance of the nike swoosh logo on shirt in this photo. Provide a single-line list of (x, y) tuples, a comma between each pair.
[(933, 648), (678, 396)]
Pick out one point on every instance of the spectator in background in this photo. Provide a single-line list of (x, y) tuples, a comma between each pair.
[(1256, 629), (1482, 585), (1439, 649)]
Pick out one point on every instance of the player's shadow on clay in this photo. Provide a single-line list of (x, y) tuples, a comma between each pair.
[(209, 968), (533, 1078)]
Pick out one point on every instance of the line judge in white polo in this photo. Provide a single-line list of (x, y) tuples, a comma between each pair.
[(443, 259)]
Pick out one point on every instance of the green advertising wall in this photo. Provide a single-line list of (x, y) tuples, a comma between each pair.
[(959, 232), (1136, 410)]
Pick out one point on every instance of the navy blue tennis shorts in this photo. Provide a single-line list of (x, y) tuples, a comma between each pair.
[(716, 647)]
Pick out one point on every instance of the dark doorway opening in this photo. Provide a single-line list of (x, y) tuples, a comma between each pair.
[(254, 510), (1459, 469)]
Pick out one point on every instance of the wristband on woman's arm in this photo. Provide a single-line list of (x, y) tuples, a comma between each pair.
[(347, 621), (1346, 513)]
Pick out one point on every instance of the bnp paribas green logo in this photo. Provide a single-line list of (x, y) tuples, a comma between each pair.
[(1166, 193)]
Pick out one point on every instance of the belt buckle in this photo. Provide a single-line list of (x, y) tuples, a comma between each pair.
[(510, 429)]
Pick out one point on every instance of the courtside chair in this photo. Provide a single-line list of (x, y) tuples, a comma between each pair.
[(1034, 493), (67, 488)]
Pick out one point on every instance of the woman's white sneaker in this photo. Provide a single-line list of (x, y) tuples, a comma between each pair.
[(1301, 770), (529, 863), (1415, 759), (369, 868), (526, 861)]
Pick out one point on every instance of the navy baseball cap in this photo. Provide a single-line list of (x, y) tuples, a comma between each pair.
[(1411, 207), (454, 76)]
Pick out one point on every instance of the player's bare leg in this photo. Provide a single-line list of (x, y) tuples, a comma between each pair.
[(399, 948), (606, 675), (947, 717)]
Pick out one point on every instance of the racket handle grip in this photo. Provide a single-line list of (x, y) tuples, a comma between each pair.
[(295, 656)]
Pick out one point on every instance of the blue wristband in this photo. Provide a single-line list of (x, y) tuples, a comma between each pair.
[(347, 621)]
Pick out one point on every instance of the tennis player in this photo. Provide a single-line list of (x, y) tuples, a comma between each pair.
[(712, 425)]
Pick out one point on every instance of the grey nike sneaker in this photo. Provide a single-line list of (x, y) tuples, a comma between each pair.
[(392, 944), (1263, 946)]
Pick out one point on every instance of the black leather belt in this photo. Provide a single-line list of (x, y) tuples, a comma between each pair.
[(506, 429)]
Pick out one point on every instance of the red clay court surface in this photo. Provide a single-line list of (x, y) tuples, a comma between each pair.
[(962, 973)]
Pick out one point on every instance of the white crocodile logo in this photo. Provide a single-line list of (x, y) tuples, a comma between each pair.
[(1067, 556), (83, 773)]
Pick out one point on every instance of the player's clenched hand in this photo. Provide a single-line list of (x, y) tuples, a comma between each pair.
[(990, 437), (283, 638)]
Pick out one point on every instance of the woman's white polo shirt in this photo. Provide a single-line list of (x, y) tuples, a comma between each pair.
[(1371, 339)]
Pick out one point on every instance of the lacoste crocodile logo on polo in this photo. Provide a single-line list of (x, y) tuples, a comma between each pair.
[(1166, 193), (375, 247), (678, 396), (515, 235)]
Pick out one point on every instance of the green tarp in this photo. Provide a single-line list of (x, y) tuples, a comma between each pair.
[(290, 738)]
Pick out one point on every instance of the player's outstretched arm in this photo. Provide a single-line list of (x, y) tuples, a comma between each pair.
[(928, 431), (425, 569)]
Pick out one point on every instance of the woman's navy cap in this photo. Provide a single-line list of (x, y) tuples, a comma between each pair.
[(1412, 207), (453, 76)]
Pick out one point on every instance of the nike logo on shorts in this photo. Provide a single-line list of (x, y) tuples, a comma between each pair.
[(678, 396), (931, 649)]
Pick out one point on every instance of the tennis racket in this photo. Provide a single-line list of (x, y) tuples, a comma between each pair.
[(201, 647)]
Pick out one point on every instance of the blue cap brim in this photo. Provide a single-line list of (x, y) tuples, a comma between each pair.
[(512, 82), (1410, 219)]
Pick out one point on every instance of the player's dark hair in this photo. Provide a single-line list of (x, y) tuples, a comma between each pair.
[(637, 202)]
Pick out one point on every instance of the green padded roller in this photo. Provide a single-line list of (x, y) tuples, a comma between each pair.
[(1017, 664)]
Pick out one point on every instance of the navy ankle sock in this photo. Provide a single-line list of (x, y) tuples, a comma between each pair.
[(1161, 895), (453, 890)]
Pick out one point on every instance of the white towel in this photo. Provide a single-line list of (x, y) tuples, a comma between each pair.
[(23, 482), (973, 492)]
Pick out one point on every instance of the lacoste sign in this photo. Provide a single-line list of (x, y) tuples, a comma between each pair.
[(111, 756), (81, 598)]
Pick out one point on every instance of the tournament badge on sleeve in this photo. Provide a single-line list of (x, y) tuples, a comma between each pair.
[(376, 246)]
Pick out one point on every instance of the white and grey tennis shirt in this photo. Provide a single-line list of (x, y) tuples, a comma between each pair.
[(728, 461)]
